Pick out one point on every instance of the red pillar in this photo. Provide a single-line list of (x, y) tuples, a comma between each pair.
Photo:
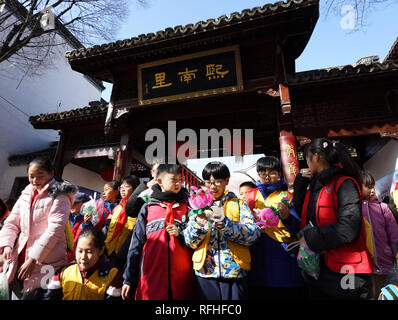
[(120, 165), (289, 159)]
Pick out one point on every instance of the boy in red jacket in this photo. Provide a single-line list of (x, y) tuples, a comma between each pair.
[(159, 265)]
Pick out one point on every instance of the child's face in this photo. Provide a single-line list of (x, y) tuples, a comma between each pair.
[(76, 207), (368, 192), (109, 194), (242, 191), (126, 189), (170, 182), (217, 186), (38, 177), (87, 254), (269, 176)]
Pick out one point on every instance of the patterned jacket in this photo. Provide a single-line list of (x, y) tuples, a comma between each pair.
[(219, 261)]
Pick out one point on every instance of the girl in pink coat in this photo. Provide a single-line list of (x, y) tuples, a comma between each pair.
[(33, 236)]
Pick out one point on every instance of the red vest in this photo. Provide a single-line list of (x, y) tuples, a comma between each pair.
[(164, 259), (354, 254)]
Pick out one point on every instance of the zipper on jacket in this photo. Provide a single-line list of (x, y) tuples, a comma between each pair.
[(219, 254)]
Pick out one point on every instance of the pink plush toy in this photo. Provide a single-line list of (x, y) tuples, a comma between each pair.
[(267, 218), (200, 201)]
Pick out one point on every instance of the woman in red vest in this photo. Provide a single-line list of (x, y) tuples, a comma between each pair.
[(332, 207)]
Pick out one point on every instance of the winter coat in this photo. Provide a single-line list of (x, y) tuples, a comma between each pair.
[(384, 234), (40, 227), (219, 260), (158, 265), (349, 224), (272, 264)]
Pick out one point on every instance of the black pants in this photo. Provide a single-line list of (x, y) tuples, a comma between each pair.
[(17, 287), (277, 293), (333, 286), (222, 289)]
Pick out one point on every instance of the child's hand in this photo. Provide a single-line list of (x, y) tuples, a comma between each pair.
[(26, 269), (7, 253), (256, 213), (125, 291), (172, 230), (201, 220), (87, 218), (283, 210)]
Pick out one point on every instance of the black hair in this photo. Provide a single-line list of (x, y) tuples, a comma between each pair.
[(96, 234), (367, 179), (247, 184), (131, 180), (114, 184), (216, 169), (268, 163), (167, 168), (43, 163), (335, 153)]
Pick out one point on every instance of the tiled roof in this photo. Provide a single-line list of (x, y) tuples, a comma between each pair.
[(201, 26), (363, 67), (90, 112), (24, 159), (393, 53)]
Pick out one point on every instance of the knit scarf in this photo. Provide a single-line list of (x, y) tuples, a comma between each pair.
[(122, 218), (267, 188)]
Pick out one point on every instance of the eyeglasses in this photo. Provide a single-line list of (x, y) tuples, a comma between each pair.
[(215, 182), (125, 187), (271, 174)]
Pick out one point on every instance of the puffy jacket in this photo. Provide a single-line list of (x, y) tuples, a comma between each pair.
[(41, 228), (338, 231), (219, 260), (384, 234)]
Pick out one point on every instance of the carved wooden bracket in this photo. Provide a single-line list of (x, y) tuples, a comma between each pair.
[(285, 99)]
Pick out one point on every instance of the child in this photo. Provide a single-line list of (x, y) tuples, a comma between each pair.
[(34, 233), (158, 263), (75, 225), (222, 258), (118, 233), (383, 232), (110, 195), (274, 270), (92, 277), (244, 188), (75, 216)]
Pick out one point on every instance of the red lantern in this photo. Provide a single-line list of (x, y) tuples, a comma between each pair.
[(107, 173)]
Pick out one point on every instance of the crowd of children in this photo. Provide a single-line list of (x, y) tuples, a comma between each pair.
[(153, 242)]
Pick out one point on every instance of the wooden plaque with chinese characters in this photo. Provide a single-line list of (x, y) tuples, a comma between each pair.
[(194, 75)]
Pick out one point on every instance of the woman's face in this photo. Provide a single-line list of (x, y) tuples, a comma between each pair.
[(126, 190), (87, 254), (38, 177), (109, 194)]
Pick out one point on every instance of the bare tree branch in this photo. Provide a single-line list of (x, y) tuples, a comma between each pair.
[(83, 22)]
